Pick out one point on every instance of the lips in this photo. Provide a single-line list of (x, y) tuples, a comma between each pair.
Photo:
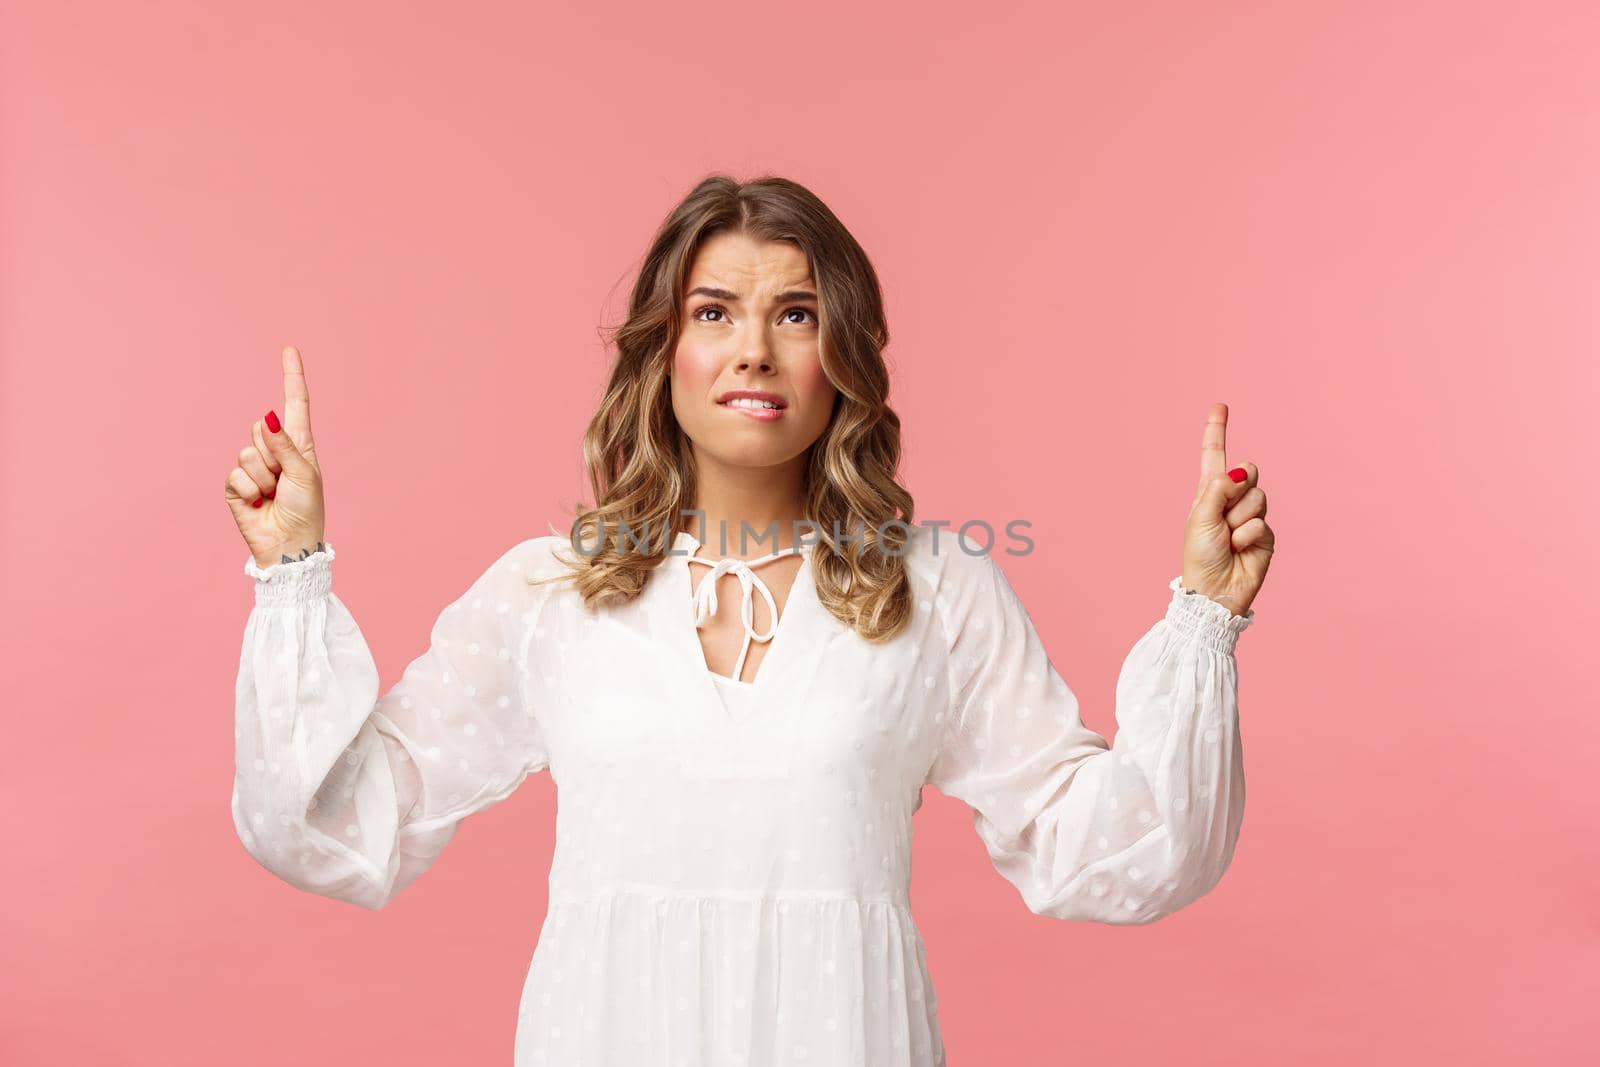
[(753, 394), (751, 410)]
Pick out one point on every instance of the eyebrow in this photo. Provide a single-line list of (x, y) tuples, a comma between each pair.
[(782, 298)]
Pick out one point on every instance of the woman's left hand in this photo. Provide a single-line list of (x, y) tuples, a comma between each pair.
[(1227, 543)]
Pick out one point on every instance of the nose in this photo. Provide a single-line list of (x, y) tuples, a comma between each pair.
[(762, 363), (757, 355)]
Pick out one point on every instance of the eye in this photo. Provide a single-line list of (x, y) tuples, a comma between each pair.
[(719, 309)]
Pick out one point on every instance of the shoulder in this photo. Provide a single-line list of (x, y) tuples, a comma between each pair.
[(546, 553), (544, 557), (952, 576), (945, 562), (530, 559)]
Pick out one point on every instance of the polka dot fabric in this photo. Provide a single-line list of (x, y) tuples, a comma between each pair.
[(351, 795), (1122, 833), (730, 883)]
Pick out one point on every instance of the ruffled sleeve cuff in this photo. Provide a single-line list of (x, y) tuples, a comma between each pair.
[(295, 582), (1195, 614)]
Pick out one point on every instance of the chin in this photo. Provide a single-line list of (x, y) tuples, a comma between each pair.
[(735, 454)]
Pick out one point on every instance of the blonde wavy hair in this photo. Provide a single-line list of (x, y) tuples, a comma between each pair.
[(639, 462)]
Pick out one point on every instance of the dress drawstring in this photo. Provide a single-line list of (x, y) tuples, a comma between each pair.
[(705, 597)]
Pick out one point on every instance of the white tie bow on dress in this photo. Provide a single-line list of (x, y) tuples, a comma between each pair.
[(705, 597)]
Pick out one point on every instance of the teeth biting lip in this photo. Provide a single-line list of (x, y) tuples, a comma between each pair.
[(758, 412), (777, 402)]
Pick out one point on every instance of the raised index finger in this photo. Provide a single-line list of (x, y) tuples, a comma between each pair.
[(296, 398), (1214, 442)]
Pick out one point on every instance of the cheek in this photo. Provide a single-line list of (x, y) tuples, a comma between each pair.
[(695, 365), (693, 373), (816, 393)]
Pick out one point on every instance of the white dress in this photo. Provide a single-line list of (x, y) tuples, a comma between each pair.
[(730, 881)]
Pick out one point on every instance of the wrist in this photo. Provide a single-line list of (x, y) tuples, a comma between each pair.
[(293, 581), (292, 553), (1234, 603), (1212, 622)]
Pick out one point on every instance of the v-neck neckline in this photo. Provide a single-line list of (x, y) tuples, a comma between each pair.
[(801, 592)]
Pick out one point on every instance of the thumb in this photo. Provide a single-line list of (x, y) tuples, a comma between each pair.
[(1219, 492), (289, 457)]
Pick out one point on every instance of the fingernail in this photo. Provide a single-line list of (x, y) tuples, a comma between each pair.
[(272, 422), (1238, 474), (256, 503)]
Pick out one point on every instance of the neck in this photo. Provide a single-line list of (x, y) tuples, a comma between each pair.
[(747, 511)]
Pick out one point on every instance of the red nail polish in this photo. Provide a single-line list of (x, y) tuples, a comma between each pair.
[(256, 503), (272, 422), (1238, 474)]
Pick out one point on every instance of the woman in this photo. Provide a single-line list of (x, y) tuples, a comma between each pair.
[(736, 782)]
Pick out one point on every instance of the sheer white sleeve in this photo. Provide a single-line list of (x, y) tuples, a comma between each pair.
[(1120, 833), (351, 795)]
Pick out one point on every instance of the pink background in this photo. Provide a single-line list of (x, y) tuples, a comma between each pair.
[(1372, 229)]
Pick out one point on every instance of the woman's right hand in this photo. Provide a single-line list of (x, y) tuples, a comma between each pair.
[(275, 493)]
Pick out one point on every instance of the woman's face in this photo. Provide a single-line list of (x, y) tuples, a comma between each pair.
[(750, 324)]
